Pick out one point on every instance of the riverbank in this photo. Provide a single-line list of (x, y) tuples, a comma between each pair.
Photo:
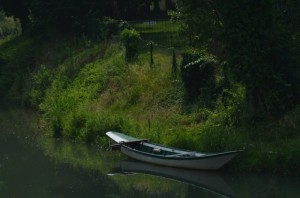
[(85, 89), (67, 169)]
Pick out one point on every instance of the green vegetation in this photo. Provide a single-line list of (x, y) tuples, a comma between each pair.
[(8, 26), (130, 39), (109, 95), (162, 32), (232, 93), (198, 76), (260, 49)]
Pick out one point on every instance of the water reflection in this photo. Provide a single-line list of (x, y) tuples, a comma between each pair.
[(204, 180), (209, 184), (26, 172)]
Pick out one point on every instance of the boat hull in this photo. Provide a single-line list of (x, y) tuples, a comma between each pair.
[(208, 162)]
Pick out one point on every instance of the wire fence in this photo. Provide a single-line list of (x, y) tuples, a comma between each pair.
[(163, 33)]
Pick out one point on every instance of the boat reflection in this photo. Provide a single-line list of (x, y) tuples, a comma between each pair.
[(206, 180)]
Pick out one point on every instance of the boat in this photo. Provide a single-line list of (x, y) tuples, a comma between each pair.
[(143, 150)]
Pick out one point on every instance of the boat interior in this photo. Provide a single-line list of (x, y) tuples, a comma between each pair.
[(158, 150)]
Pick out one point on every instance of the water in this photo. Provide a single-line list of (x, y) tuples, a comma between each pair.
[(44, 167)]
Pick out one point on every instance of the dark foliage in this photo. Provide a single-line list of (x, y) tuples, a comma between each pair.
[(198, 76), (266, 60), (261, 45)]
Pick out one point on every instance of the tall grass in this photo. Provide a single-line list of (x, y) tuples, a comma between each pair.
[(68, 95)]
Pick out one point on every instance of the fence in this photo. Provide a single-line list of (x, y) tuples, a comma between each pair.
[(164, 33)]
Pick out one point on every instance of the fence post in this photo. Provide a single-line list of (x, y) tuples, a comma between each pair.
[(174, 63), (151, 53), (149, 124)]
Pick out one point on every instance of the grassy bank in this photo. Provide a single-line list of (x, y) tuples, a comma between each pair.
[(83, 89), (145, 102)]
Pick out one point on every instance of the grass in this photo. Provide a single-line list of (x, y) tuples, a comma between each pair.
[(98, 100)]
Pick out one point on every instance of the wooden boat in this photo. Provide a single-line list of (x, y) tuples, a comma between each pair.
[(143, 150)]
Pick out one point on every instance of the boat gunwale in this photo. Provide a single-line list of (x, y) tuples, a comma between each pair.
[(166, 157)]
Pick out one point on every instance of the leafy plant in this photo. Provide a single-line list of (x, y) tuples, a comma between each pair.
[(130, 39), (198, 75), (9, 26), (41, 82)]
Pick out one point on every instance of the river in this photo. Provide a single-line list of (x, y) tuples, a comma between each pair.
[(45, 167)]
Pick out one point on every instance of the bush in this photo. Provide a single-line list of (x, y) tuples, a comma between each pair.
[(131, 39), (108, 27), (198, 75), (9, 26), (41, 81)]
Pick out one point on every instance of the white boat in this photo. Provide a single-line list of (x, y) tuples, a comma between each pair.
[(145, 151)]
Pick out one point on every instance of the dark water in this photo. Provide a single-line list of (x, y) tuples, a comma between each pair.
[(35, 167)]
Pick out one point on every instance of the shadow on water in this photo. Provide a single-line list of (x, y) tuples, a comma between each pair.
[(45, 167), (203, 180)]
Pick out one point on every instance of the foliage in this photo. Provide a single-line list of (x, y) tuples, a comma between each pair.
[(66, 95), (16, 58), (198, 75), (266, 69), (8, 26), (86, 126), (75, 16), (162, 32), (200, 21), (41, 82), (130, 39), (290, 13), (17, 9), (112, 26), (261, 52)]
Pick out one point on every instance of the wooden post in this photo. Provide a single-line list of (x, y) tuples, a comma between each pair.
[(149, 124), (174, 63), (151, 53)]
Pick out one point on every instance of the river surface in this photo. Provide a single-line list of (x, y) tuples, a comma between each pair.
[(45, 167)]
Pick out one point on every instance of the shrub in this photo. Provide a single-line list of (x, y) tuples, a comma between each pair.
[(9, 26), (197, 74), (108, 27), (130, 39), (41, 81)]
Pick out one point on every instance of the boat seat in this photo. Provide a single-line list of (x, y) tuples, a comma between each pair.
[(182, 155), (153, 150)]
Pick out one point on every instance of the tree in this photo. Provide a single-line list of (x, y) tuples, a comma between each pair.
[(261, 54), (289, 9), (61, 14), (259, 47), (18, 9)]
